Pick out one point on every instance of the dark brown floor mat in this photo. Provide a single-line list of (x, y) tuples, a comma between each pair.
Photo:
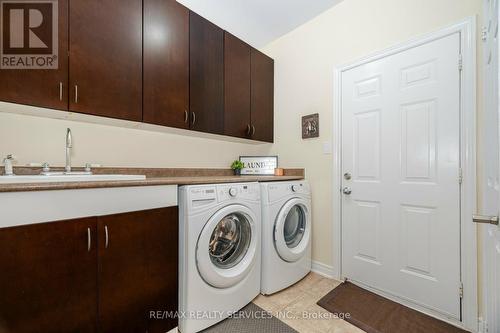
[(376, 314)]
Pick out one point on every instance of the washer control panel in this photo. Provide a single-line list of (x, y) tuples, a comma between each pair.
[(203, 193), (233, 191), (199, 197)]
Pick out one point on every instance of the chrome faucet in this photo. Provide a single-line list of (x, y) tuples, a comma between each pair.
[(7, 162), (69, 146)]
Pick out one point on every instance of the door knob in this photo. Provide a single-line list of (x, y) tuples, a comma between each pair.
[(347, 190)]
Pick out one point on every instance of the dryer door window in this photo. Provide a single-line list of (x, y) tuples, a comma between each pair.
[(292, 230), (230, 240), (228, 246), (295, 226)]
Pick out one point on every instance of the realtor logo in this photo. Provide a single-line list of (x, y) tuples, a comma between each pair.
[(29, 34)]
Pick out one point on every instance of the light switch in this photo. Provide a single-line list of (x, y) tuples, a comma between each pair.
[(327, 148)]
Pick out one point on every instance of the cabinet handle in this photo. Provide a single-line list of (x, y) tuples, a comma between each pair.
[(89, 240), (249, 129), (253, 130), (106, 234), (76, 94), (186, 116), (194, 119), (60, 91)]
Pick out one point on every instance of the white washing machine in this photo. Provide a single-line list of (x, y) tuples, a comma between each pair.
[(219, 252), (286, 234)]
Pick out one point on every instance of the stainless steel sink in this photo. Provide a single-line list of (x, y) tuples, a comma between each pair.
[(58, 177)]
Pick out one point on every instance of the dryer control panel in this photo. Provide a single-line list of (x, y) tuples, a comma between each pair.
[(279, 190)]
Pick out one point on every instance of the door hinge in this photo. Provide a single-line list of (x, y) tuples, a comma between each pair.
[(460, 176), (484, 34), (461, 290), (460, 62)]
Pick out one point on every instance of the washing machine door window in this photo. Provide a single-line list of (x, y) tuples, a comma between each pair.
[(230, 240), (292, 231), (227, 246)]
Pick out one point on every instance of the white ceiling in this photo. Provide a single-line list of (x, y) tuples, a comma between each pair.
[(259, 22)]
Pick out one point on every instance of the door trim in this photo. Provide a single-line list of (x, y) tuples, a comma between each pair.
[(468, 241)]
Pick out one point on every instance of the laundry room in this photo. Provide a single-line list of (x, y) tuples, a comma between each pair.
[(184, 166)]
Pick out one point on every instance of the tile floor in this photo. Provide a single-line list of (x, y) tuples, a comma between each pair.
[(296, 306)]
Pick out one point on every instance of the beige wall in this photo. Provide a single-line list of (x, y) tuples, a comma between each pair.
[(35, 139), (305, 61)]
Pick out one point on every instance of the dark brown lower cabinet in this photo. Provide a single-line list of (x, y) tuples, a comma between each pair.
[(104, 274), (137, 270), (48, 278)]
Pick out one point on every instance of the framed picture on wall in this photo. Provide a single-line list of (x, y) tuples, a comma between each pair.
[(310, 126)]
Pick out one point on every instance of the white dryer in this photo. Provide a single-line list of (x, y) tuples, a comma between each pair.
[(286, 234), (219, 252)]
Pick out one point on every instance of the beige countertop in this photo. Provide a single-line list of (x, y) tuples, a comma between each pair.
[(185, 177)]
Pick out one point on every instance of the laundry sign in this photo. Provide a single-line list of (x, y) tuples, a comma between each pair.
[(259, 165)]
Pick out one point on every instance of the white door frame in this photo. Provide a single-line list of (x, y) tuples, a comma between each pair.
[(467, 30)]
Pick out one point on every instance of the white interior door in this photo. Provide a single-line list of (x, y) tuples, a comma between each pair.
[(490, 166), (401, 149)]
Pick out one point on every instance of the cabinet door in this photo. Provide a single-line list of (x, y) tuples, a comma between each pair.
[(48, 279), (262, 97), (236, 87), (166, 63), (162, 263), (206, 75), (106, 58), (41, 87), (137, 270)]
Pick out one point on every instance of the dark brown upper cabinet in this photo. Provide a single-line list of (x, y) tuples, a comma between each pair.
[(206, 75), (41, 87), (237, 120), (49, 277), (166, 63), (105, 62), (151, 61), (262, 97)]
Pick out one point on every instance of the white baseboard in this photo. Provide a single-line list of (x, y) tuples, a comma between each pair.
[(322, 269)]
